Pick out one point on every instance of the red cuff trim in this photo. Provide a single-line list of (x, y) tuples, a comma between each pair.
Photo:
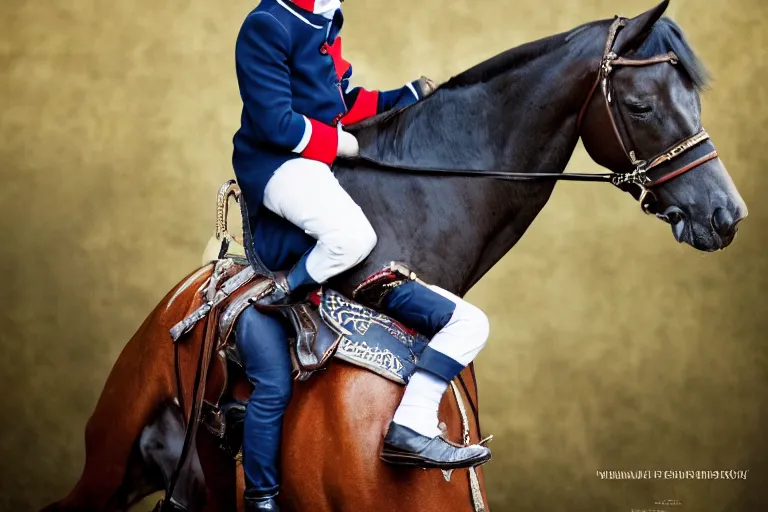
[(366, 105), (334, 50), (323, 143)]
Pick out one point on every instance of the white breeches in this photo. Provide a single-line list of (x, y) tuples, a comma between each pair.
[(307, 194)]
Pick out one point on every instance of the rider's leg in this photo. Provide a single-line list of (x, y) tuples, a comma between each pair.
[(458, 332), (307, 194), (263, 347)]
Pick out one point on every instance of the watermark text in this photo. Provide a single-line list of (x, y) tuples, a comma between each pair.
[(655, 474)]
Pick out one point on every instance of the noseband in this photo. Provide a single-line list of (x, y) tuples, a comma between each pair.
[(639, 176), (693, 151)]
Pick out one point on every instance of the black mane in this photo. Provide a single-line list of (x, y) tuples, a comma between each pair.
[(509, 59), (667, 36)]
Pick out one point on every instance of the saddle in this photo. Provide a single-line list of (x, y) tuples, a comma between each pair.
[(325, 325)]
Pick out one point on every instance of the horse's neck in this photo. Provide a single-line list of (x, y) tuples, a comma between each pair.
[(521, 118), (538, 134)]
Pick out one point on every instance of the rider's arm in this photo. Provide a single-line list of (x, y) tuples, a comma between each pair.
[(398, 98), (363, 103), (262, 52)]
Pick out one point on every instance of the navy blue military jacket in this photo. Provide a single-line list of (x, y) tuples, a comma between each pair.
[(295, 89)]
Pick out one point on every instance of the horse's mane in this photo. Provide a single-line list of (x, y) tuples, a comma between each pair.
[(510, 59), (482, 72), (667, 36)]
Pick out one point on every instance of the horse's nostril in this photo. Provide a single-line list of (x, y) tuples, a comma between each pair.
[(722, 222)]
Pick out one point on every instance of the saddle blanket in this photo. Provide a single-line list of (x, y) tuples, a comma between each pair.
[(370, 339)]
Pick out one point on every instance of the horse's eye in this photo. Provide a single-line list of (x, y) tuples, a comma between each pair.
[(638, 108)]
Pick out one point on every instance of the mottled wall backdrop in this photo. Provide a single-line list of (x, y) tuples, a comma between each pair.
[(612, 346)]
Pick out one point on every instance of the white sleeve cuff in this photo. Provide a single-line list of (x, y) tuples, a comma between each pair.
[(413, 90), (304, 142)]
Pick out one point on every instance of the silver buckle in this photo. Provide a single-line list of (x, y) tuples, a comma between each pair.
[(606, 65), (639, 178), (605, 69)]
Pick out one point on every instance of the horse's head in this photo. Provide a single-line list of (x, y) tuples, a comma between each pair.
[(645, 118)]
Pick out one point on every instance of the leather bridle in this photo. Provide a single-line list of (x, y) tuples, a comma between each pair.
[(693, 151), (662, 173)]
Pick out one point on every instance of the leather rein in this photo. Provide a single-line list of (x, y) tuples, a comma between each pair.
[(639, 176)]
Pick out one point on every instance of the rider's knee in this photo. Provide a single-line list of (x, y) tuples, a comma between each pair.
[(475, 323), (257, 336), (246, 329), (354, 243), (276, 391), (367, 239)]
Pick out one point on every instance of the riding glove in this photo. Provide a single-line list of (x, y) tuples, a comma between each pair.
[(348, 146), (427, 86)]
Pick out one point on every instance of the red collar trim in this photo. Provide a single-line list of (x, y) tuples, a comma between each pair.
[(307, 5)]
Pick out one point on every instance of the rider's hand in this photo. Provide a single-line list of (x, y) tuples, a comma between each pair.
[(348, 146), (427, 86)]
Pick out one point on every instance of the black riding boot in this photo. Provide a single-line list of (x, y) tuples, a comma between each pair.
[(403, 446), (290, 286)]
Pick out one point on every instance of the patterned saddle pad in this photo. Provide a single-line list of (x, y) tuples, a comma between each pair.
[(370, 339)]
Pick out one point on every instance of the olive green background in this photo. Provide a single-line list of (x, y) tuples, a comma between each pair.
[(612, 347)]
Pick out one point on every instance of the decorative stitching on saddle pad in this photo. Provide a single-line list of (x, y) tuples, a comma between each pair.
[(370, 339), (341, 312), (375, 355)]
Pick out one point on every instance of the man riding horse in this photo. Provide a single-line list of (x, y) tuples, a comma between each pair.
[(471, 161), (297, 98)]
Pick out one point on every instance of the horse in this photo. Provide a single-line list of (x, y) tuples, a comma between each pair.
[(628, 87)]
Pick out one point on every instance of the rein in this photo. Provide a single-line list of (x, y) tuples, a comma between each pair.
[(638, 177)]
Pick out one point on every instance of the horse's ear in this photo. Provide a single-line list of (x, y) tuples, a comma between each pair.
[(638, 28)]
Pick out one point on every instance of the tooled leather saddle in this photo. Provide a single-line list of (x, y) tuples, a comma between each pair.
[(326, 325)]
